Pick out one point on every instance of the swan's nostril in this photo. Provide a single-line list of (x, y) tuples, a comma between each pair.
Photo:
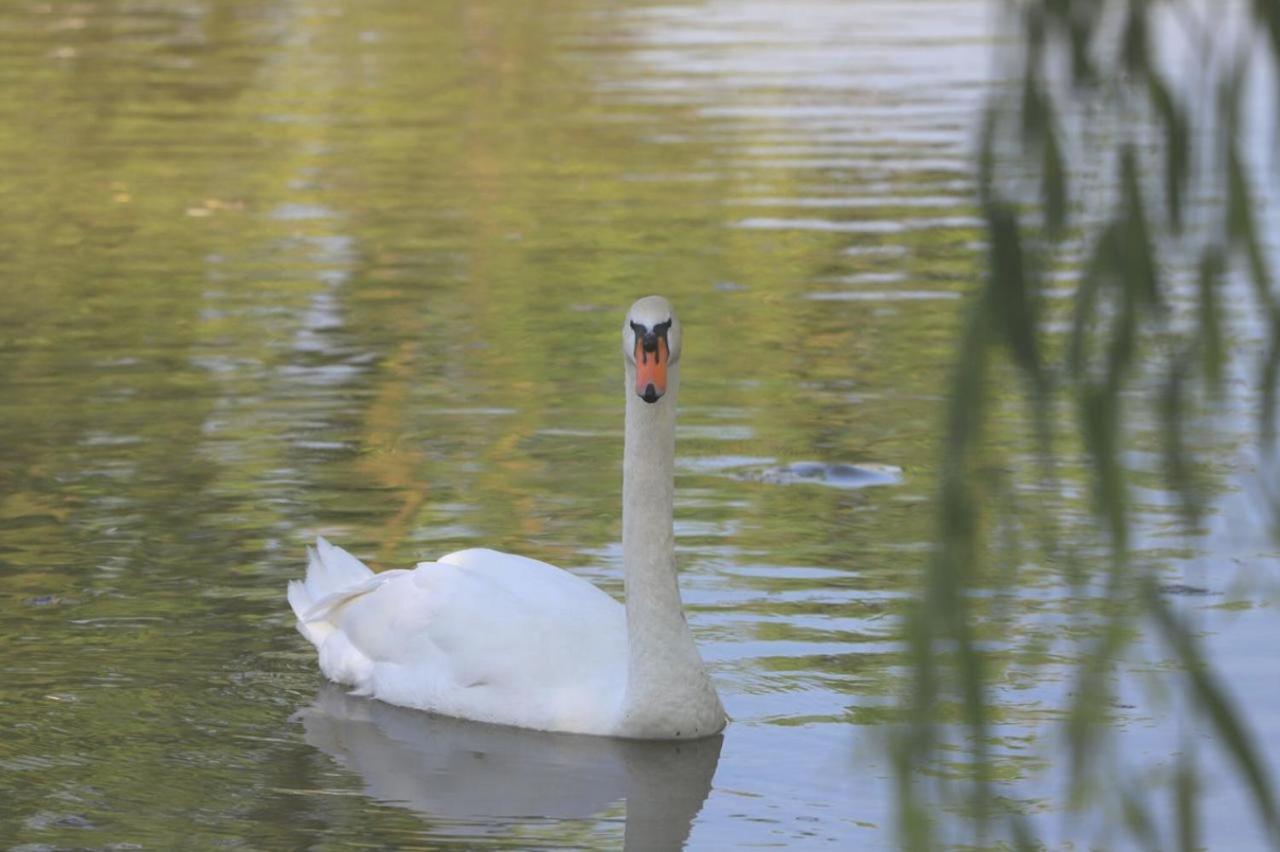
[(650, 393)]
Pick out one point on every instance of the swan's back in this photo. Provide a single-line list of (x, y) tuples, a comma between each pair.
[(479, 634)]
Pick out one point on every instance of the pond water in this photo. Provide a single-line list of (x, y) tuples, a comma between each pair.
[(278, 268)]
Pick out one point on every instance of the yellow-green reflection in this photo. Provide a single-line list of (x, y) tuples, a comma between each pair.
[(278, 268)]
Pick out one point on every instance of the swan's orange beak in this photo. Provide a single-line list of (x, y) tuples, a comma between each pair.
[(652, 356)]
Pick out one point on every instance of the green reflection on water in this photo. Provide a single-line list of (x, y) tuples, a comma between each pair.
[(273, 269)]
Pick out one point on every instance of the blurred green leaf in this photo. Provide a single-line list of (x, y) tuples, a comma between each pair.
[(1013, 292), (1138, 820), (1054, 183), (1185, 802), (1176, 148), (1142, 274), (1209, 328), (1213, 701)]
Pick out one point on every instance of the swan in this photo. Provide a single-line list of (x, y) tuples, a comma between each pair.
[(495, 637)]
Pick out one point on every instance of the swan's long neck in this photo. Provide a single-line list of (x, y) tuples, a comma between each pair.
[(668, 692)]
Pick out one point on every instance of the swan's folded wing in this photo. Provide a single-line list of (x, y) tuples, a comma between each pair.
[(495, 620), (534, 583), (506, 619), (323, 609)]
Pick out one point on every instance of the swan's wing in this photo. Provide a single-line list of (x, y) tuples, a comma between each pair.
[(535, 582), (485, 635), (323, 608)]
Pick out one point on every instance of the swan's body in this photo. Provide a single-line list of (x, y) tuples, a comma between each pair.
[(500, 638)]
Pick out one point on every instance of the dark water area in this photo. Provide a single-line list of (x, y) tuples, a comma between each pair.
[(270, 270)]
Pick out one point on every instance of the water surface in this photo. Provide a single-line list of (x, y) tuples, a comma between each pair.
[(278, 269)]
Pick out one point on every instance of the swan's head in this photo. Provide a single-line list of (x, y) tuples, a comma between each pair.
[(651, 342)]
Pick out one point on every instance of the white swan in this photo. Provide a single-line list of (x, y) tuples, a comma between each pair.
[(500, 638)]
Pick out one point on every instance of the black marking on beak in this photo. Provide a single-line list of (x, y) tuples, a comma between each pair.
[(648, 338)]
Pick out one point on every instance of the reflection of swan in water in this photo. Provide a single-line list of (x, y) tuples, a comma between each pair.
[(484, 775)]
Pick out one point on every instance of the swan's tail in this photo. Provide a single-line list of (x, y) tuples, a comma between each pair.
[(330, 570)]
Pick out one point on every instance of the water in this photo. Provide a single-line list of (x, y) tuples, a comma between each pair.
[(273, 269)]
